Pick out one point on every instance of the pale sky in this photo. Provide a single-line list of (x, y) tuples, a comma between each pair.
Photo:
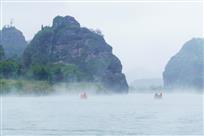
[(143, 35)]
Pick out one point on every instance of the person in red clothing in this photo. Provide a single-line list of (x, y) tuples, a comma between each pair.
[(83, 95), (158, 95)]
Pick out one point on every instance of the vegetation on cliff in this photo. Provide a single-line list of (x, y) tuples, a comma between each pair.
[(64, 53), (67, 52), (2, 54)]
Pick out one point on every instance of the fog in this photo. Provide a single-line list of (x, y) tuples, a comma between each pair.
[(132, 114), (143, 35)]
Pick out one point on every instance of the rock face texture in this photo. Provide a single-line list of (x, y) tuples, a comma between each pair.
[(1, 53), (13, 42), (66, 42), (185, 69)]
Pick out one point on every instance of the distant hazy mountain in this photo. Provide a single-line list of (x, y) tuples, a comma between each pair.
[(185, 69), (147, 84), (67, 43), (13, 41)]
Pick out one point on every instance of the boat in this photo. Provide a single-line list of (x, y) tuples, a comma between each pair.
[(83, 95), (158, 95)]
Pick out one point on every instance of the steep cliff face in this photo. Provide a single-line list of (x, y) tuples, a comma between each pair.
[(185, 69), (1, 53), (65, 42), (13, 42)]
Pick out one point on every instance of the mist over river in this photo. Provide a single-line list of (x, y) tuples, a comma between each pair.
[(132, 114)]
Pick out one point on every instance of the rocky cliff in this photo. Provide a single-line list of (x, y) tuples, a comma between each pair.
[(13, 42), (67, 43), (1, 52), (185, 69)]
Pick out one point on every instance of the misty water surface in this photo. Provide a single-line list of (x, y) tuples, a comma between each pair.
[(130, 114)]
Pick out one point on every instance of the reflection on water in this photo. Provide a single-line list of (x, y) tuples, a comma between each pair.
[(102, 115)]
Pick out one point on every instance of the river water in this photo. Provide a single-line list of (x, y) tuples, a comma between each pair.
[(132, 114)]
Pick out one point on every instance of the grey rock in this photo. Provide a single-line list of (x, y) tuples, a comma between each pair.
[(2, 55), (68, 43), (185, 69), (13, 42)]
